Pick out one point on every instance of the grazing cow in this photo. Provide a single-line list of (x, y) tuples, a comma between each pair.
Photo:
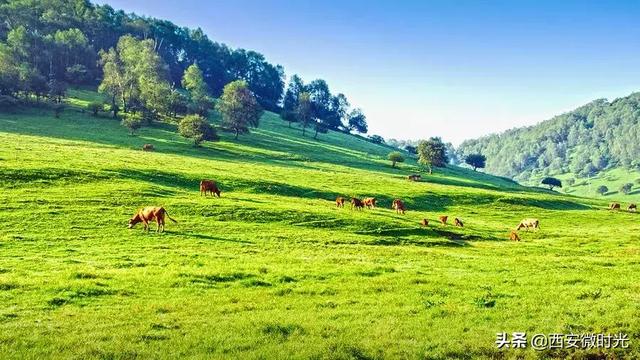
[(369, 202), (339, 201), (457, 222), (148, 147), (357, 203), (514, 236), (210, 186), (632, 207), (614, 206), (424, 222), (398, 205), (149, 214), (529, 223), (443, 219), (414, 177)]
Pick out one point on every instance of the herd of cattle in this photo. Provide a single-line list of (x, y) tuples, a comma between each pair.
[(157, 214)]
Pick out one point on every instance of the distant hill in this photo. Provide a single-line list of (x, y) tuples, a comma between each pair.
[(598, 136)]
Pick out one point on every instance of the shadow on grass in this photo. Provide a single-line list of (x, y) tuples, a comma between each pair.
[(214, 238)]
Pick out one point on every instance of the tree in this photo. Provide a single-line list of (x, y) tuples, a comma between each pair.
[(133, 122), (357, 121), (626, 188), (602, 190), (135, 73), (239, 108), (193, 82), (476, 161), (432, 153), (319, 127), (552, 182), (411, 149), (376, 139), (294, 89), (197, 128), (304, 111), (395, 157)]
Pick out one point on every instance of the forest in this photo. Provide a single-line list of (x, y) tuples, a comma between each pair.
[(597, 136), (142, 63)]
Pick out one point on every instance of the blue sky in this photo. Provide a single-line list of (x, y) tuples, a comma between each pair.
[(451, 68)]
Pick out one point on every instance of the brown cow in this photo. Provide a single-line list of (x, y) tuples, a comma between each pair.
[(614, 206), (632, 207), (529, 223), (357, 203), (148, 147), (398, 205), (457, 222), (443, 219), (369, 202), (424, 222), (414, 177), (514, 236), (340, 201), (210, 186), (149, 214)]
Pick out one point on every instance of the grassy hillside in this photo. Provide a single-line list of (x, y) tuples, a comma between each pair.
[(273, 269), (612, 179)]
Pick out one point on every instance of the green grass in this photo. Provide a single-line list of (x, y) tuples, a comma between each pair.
[(272, 269)]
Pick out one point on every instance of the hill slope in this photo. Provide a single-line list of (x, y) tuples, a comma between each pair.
[(598, 136), (272, 268)]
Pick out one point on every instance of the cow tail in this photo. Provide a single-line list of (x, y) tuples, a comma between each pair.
[(167, 213)]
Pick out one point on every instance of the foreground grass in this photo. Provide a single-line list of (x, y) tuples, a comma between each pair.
[(272, 269)]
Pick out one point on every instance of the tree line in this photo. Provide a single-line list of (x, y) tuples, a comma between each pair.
[(583, 142), (144, 64)]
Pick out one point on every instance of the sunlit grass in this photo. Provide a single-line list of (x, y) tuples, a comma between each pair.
[(273, 269)]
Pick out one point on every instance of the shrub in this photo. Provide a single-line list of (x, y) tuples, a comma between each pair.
[(132, 121), (395, 157), (95, 107), (602, 190), (376, 139), (198, 129), (570, 181), (626, 188)]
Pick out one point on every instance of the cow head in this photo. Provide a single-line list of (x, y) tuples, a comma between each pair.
[(134, 220)]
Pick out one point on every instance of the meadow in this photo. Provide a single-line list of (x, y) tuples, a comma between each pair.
[(273, 269)]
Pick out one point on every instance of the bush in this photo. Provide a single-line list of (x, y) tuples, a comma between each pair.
[(95, 108), (626, 188), (395, 157), (570, 181), (602, 190), (376, 139), (198, 129), (132, 121), (8, 103)]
